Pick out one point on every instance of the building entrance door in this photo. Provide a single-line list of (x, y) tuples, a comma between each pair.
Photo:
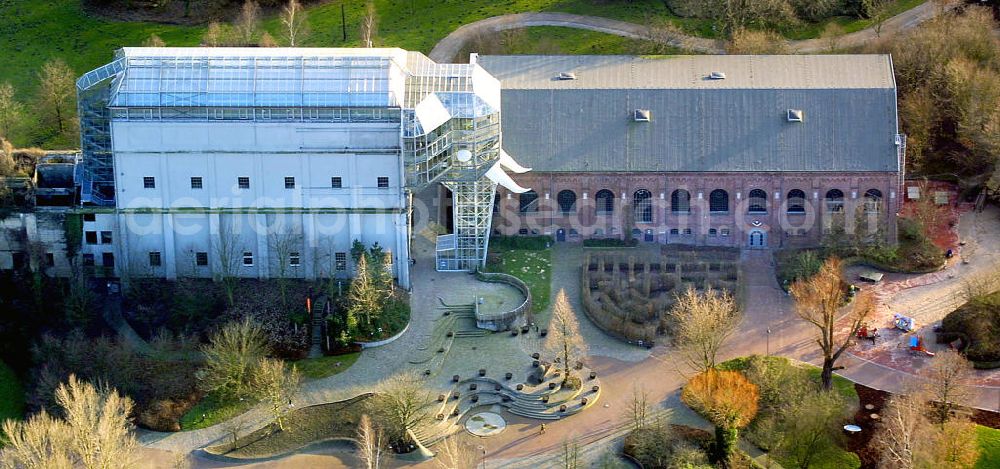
[(649, 236), (758, 239), (560, 235)]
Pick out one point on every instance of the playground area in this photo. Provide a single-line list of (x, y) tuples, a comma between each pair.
[(910, 306)]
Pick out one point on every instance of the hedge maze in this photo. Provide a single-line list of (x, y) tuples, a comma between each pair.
[(629, 294)]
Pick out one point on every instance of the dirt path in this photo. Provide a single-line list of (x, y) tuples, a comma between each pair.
[(448, 48)]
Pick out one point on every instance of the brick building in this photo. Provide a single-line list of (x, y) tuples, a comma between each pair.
[(751, 151)]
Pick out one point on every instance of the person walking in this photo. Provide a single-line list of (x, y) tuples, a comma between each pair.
[(541, 430)]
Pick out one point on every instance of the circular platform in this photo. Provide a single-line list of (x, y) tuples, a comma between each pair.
[(486, 424)]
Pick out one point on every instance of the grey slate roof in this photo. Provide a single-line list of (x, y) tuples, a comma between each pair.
[(731, 125)]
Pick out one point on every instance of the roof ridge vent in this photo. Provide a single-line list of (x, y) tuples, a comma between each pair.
[(796, 115), (641, 115), (566, 76), (717, 76)]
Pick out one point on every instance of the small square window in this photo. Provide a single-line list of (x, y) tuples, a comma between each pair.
[(196, 182), (201, 259), (108, 259), (243, 182), (383, 182), (90, 237), (336, 182), (712, 232), (674, 231), (88, 260), (89, 217), (522, 231), (687, 231), (50, 259), (106, 237), (341, 261), (247, 258), (294, 260), (149, 182), (724, 232), (154, 259), (289, 182)]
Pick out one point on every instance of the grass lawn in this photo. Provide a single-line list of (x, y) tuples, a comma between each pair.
[(989, 447), (11, 394), (316, 368), (34, 31), (532, 267), (843, 385), (303, 426), (570, 41), (212, 410)]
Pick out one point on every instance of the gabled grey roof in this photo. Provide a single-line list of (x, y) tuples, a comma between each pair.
[(735, 124)]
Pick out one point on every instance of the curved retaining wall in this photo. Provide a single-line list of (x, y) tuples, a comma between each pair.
[(504, 320), (380, 343)]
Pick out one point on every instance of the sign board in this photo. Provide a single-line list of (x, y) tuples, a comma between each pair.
[(941, 198), (913, 192)]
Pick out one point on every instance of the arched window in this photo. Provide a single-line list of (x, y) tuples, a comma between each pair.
[(680, 201), (718, 201), (873, 200), (758, 201), (567, 201), (796, 201), (642, 201), (529, 202), (834, 201), (605, 201)]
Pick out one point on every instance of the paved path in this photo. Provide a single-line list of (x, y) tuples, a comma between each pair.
[(448, 48)]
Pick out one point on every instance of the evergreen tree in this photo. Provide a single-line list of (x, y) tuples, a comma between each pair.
[(364, 297)]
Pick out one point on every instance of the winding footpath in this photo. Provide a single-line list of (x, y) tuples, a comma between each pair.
[(448, 48)]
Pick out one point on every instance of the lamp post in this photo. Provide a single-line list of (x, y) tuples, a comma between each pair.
[(482, 449), (768, 342)]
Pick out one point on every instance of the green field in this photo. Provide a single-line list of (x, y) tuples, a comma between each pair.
[(11, 394), (989, 447), (321, 367), (34, 31)]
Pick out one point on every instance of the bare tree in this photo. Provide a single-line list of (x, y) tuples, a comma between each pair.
[(638, 409), (370, 442), (56, 91), (877, 11), (955, 445), (369, 25), (900, 432), (234, 428), (231, 358), (703, 322), (276, 384), (295, 22), (248, 23), (399, 406), (12, 115), (266, 40), (95, 432), (214, 35), (227, 250), (287, 248), (153, 41), (455, 452), (570, 457), (364, 297), (832, 35), (818, 301), (751, 41), (948, 374), (564, 340)]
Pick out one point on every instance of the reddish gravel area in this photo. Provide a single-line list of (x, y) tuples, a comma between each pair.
[(943, 233)]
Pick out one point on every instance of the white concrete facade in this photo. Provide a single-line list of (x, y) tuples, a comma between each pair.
[(193, 195)]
